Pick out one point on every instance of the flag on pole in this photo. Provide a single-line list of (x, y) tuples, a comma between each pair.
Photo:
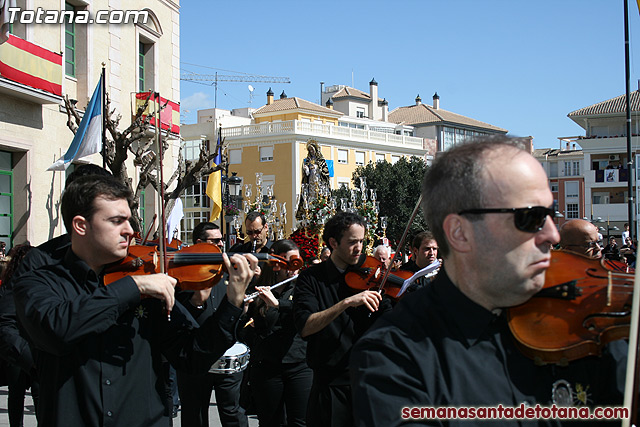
[(214, 187), (88, 138)]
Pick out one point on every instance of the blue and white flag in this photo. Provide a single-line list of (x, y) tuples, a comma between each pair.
[(88, 138)]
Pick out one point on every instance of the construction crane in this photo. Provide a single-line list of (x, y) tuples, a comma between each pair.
[(215, 78)]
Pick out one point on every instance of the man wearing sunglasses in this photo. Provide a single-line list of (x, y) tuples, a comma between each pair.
[(580, 236), (489, 207), (195, 389), (256, 227)]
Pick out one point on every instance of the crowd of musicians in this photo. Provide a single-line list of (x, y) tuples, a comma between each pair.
[(311, 350)]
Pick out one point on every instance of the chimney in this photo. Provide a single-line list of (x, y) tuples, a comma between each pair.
[(373, 92), (269, 97), (385, 110), (283, 95), (418, 100), (436, 101), (321, 91)]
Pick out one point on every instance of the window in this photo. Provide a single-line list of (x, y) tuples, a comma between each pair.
[(343, 183), (69, 43), (145, 65), (235, 157), (266, 154), (360, 112), (576, 168), (343, 156), (553, 169), (141, 50), (6, 198), (554, 187), (572, 210), (195, 196), (571, 189), (380, 157), (394, 159), (359, 158), (189, 221), (191, 149)]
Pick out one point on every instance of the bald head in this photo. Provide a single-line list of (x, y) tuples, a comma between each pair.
[(580, 236)]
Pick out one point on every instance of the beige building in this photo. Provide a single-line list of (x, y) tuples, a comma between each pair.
[(41, 64)]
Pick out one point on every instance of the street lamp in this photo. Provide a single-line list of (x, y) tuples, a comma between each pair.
[(231, 195)]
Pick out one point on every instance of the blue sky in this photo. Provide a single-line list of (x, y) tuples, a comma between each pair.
[(520, 65)]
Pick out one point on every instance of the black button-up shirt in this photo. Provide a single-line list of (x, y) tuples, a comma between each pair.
[(98, 348), (318, 288), (439, 348)]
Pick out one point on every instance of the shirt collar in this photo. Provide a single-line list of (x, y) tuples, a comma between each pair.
[(79, 269), (471, 319)]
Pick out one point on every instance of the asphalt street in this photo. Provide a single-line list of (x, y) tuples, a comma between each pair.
[(30, 416)]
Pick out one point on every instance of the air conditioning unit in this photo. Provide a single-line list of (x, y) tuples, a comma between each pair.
[(614, 157)]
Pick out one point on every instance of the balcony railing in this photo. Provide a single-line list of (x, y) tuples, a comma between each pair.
[(319, 129), (607, 176)]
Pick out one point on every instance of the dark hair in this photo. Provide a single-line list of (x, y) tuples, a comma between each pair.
[(456, 181), (85, 170), (253, 215), (421, 237), (200, 231), (339, 223), (79, 197), (15, 256), (283, 246)]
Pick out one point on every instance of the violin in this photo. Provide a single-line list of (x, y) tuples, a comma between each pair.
[(196, 267), (368, 275), (585, 303)]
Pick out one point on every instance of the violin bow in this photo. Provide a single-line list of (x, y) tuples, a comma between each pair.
[(400, 243), (164, 261), (631, 383)]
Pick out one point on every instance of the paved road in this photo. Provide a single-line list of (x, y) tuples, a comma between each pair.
[(30, 417)]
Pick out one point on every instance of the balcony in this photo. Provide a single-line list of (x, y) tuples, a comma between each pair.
[(30, 72), (606, 178), (297, 127)]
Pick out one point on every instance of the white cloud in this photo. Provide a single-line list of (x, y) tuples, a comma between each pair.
[(195, 102)]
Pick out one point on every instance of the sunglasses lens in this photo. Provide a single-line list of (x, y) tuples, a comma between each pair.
[(531, 220)]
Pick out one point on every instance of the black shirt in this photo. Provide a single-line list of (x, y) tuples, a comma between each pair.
[(99, 348), (277, 339), (318, 288), (439, 348)]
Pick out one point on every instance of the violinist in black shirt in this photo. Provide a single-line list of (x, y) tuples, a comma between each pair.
[(489, 206), (98, 348), (331, 317)]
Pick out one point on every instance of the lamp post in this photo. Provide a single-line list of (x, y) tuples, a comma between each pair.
[(231, 193)]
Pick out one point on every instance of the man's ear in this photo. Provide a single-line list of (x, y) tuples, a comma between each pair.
[(333, 243), (458, 232), (79, 225)]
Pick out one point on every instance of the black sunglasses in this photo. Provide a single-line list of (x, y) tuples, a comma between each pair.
[(530, 219)]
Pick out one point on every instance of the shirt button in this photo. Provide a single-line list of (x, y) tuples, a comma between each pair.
[(108, 382), (233, 318), (109, 413)]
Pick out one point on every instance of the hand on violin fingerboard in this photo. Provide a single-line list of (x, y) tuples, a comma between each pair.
[(241, 270), (158, 286), (370, 299)]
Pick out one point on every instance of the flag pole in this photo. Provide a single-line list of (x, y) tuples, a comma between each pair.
[(104, 117)]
